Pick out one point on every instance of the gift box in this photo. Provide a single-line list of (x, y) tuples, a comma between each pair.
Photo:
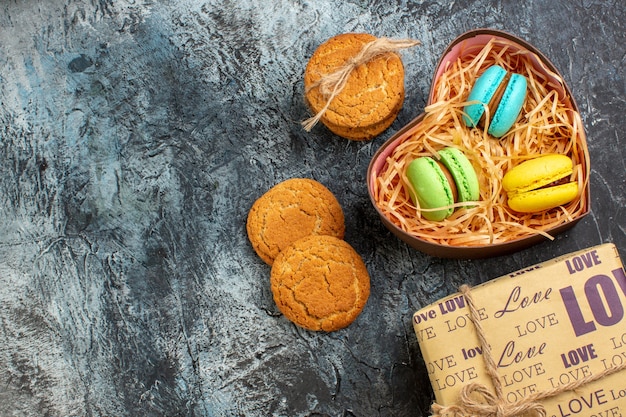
[(550, 336), (549, 123)]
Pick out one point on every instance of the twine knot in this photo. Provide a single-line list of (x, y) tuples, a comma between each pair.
[(330, 85), (477, 400)]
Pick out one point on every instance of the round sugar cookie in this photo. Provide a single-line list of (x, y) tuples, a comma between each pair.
[(373, 94), (291, 210), (320, 283)]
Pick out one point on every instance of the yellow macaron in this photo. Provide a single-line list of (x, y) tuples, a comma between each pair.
[(540, 184)]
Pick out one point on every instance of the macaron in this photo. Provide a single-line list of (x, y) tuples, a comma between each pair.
[(503, 93), (439, 183), (540, 184)]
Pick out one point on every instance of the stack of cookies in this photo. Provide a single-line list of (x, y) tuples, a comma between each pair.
[(373, 93), (318, 280)]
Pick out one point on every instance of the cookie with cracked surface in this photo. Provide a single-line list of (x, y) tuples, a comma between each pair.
[(374, 92), (320, 283), (290, 210)]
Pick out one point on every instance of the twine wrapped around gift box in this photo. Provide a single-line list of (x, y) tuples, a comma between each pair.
[(477, 400)]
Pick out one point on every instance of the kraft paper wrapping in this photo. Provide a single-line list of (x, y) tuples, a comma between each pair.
[(548, 326)]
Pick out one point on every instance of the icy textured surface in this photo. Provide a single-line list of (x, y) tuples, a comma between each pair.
[(134, 137)]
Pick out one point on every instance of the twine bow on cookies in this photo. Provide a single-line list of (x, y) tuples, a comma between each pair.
[(477, 400), (330, 85)]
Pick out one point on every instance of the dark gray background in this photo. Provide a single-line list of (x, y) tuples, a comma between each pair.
[(134, 137)]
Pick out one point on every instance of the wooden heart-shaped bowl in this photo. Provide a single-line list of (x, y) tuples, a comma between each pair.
[(548, 123)]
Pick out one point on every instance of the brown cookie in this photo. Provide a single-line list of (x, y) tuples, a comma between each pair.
[(320, 283), (364, 133), (374, 92), (291, 210)]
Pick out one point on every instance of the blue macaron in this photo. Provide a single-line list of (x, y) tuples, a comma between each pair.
[(503, 93)]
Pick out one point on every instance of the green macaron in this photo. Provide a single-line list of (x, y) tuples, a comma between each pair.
[(438, 184)]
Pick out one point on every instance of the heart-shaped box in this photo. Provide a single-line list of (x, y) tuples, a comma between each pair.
[(552, 125)]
